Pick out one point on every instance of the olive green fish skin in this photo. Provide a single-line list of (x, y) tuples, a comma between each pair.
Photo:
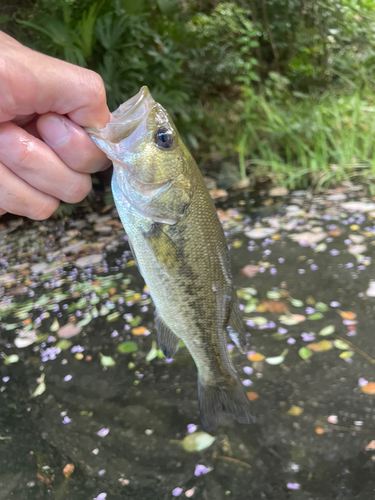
[(186, 268), (180, 249)]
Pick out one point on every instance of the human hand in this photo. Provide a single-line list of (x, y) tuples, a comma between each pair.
[(45, 155)]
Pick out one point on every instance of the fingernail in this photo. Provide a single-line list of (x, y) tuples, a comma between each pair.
[(53, 130)]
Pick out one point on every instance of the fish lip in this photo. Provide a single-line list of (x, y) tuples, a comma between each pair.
[(126, 117), (128, 107)]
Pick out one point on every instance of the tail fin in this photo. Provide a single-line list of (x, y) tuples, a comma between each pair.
[(219, 401)]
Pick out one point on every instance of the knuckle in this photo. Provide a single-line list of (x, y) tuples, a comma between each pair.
[(44, 210), (97, 86), (78, 191), (22, 152)]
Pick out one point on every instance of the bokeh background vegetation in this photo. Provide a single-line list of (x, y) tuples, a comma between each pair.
[(267, 89)]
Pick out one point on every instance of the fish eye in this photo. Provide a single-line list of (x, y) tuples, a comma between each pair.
[(164, 138)]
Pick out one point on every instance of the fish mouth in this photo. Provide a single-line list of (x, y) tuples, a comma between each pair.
[(126, 118)]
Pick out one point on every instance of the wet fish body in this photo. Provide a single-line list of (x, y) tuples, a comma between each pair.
[(180, 249)]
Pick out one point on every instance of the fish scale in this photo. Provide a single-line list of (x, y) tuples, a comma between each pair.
[(180, 249)]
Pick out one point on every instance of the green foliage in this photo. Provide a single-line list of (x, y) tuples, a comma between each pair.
[(317, 139), (284, 86)]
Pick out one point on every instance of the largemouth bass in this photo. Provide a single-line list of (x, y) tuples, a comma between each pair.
[(180, 249)]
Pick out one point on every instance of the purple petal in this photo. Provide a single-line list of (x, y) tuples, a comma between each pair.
[(177, 492), (103, 432), (247, 382), (334, 303), (201, 469), (191, 428), (293, 486), (362, 382), (308, 337)]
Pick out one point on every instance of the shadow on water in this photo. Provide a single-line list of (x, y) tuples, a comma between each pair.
[(141, 408)]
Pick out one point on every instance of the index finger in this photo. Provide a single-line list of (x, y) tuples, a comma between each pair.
[(31, 82)]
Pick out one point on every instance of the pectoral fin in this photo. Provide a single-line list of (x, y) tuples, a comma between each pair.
[(168, 341), (236, 328), (168, 255)]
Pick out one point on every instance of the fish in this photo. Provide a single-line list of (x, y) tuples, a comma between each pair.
[(180, 249)]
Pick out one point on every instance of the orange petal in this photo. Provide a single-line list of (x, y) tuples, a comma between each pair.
[(68, 470), (140, 330), (348, 315), (369, 388), (319, 430), (324, 345), (252, 396), (256, 357)]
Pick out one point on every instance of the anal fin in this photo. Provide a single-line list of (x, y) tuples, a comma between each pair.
[(236, 327), (168, 341)]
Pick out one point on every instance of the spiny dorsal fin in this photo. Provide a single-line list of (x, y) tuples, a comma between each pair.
[(168, 341)]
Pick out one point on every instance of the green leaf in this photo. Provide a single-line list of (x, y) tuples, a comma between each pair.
[(197, 441), (277, 360), (273, 295), (41, 387), (295, 411), (249, 308), (41, 338), (103, 311), (55, 326), (322, 247), (85, 320), (42, 301), (305, 353), (327, 330), (346, 354), (320, 306), (296, 302), (260, 320), (112, 317), (153, 352), (135, 321), (288, 320), (10, 326), (341, 344), (22, 315), (107, 361), (63, 344), (81, 303), (127, 347), (315, 316), (13, 358)]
